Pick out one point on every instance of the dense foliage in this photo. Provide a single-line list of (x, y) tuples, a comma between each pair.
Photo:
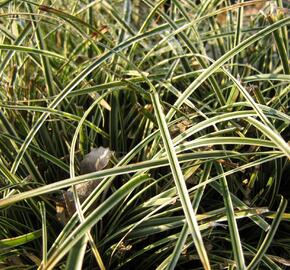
[(193, 99)]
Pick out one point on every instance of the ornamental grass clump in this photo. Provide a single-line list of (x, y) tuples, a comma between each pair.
[(144, 134)]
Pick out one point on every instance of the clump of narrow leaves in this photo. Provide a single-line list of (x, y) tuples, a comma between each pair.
[(189, 102)]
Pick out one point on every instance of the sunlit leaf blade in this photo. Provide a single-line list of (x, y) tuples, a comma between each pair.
[(180, 182)]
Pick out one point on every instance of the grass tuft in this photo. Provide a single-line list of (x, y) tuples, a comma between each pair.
[(192, 98)]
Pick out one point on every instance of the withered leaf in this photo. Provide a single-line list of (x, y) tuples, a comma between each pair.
[(94, 161)]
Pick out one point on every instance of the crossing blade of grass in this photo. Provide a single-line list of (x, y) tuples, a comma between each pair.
[(272, 135), (232, 224), (281, 48), (76, 255), (28, 162), (193, 49), (180, 182), (217, 64), (55, 112), (241, 205), (63, 94), (88, 237), (210, 122), (170, 262), (238, 35), (12, 50), (19, 240), (246, 95), (147, 217), (44, 232), (145, 24), (266, 259), (260, 161), (270, 235), (202, 142), (92, 219), (16, 48), (141, 166), (250, 100)]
